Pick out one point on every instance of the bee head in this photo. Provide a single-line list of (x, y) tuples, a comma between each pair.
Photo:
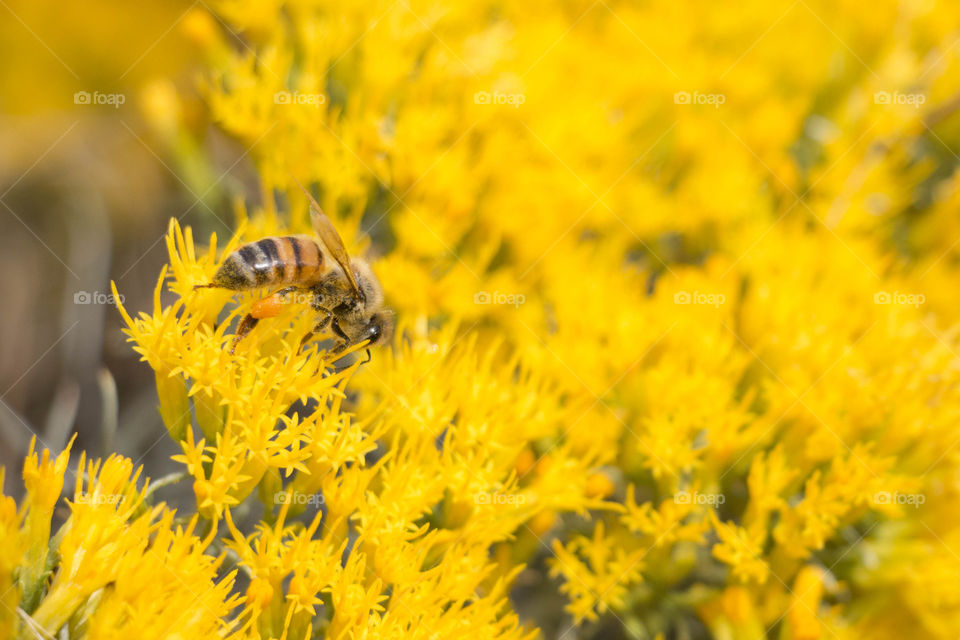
[(370, 288), (378, 329)]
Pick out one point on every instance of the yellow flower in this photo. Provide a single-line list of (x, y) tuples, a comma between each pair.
[(43, 480), (11, 555), (598, 572), (802, 617), (667, 524), (741, 551), (119, 567)]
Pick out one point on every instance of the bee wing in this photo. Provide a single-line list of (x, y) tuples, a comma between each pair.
[(324, 228)]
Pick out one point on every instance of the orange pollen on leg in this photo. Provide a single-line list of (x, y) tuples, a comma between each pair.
[(267, 307)]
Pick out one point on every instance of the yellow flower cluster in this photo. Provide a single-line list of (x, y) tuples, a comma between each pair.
[(675, 334), (416, 486), (119, 566)]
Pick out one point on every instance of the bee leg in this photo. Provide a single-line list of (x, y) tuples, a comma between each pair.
[(272, 305), (248, 323), (342, 340), (320, 326), (369, 357), (265, 308)]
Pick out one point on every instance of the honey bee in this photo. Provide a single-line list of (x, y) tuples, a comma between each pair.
[(343, 290)]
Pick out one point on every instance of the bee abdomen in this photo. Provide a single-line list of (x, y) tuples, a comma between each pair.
[(271, 261)]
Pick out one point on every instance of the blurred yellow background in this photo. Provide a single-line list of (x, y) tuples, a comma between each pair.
[(86, 190)]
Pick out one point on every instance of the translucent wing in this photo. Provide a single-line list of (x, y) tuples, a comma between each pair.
[(324, 228)]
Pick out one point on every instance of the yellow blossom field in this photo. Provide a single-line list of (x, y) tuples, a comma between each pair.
[(677, 340)]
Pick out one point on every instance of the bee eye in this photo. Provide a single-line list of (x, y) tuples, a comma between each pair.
[(374, 332)]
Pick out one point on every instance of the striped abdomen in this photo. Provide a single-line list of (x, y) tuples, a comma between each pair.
[(271, 261)]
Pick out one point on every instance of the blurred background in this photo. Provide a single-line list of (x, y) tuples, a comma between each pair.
[(91, 170)]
